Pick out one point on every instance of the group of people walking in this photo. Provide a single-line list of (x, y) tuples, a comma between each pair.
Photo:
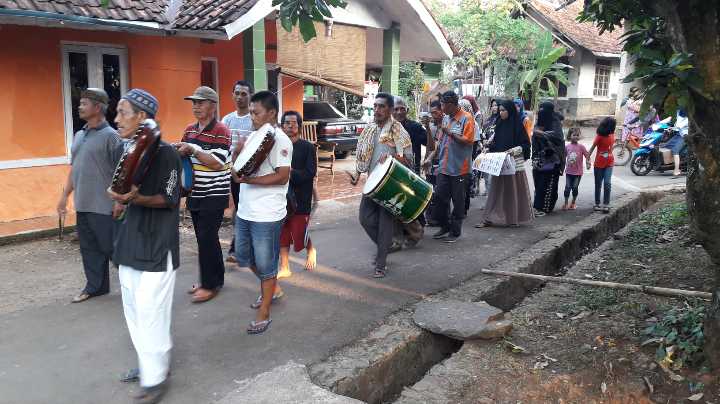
[(454, 132), (139, 230)]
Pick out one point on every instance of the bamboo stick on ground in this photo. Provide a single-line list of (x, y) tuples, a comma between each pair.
[(653, 290)]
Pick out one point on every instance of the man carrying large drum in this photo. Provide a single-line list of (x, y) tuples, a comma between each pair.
[(383, 139)]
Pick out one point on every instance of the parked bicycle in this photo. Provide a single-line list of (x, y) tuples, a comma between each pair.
[(624, 148)]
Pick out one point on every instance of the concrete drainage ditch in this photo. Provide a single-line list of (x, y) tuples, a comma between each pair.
[(398, 354)]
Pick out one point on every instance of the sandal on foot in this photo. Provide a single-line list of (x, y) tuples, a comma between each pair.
[(131, 376), (193, 289), (275, 298), (258, 327), (483, 224), (81, 297), (380, 273), (572, 207)]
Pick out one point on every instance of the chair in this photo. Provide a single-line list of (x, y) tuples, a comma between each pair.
[(309, 133)]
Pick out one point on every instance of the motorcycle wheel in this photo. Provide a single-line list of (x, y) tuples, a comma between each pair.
[(641, 165), (622, 154)]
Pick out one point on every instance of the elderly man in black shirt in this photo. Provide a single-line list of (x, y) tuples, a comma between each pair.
[(147, 251)]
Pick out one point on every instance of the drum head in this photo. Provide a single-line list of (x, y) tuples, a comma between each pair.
[(187, 180), (377, 175), (252, 144)]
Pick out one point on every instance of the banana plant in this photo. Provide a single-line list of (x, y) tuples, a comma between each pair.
[(547, 70), (304, 13)]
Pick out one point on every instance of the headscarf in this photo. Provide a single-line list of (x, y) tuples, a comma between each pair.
[(489, 122), (510, 133), (466, 106), (550, 146), (473, 102)]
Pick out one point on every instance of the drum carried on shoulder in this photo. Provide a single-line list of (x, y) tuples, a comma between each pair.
[(398, 189)]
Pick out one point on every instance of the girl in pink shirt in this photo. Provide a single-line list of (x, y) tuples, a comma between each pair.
[(575, 153)]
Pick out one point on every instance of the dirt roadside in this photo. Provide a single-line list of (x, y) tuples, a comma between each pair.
[(592, 345)]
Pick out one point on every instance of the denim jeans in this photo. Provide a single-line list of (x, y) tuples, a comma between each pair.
[(603, 177), (572, 182), (257, 244)]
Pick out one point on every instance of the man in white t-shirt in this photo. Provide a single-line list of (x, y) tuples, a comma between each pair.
[(262, 207), (240, 126)]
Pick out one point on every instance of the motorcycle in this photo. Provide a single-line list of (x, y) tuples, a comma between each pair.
[(651, 156)]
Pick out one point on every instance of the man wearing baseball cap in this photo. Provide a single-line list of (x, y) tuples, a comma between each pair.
[(206, 143), (95, 152)]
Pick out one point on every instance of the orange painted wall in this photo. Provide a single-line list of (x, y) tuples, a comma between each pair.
[(292, 94), (31, 108)]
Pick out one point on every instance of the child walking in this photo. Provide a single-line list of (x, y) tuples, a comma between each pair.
[(604, 162), (576, 154)]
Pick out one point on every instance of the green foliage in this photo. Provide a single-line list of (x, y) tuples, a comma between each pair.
[(652, 224), (668, 76), (410, 86), (490, 36), (304, 12), (680, 334), (546, 71)]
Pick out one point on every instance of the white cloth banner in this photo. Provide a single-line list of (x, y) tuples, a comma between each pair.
[(495, 164)]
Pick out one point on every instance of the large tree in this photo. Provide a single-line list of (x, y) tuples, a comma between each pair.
[(693, 30)]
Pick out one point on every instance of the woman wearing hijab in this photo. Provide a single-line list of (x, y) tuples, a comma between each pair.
[(524, 118), (548, 158), (508, 202)]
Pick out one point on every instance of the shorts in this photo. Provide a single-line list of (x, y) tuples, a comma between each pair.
[(294, 232), (257, 244), (676, 145)]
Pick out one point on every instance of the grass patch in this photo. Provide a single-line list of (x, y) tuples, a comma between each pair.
[(599, 298), (652, 224)]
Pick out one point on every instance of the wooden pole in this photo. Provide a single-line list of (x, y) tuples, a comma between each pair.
[(653, 290)]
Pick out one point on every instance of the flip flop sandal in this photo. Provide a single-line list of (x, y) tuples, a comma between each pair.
[(193, 289), (258, 327), (131, 376), (81, 298), (275, 298), (482, 225), (380, 273)]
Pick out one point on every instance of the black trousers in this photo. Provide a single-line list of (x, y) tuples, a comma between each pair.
[(450, 188), (95, 232), (212, 268), (379, 224), (546, 189), (234, 191)]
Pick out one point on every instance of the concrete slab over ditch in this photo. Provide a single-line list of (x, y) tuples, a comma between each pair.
[(397, 354)]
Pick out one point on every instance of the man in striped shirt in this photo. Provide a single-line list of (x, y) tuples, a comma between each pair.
[(207, 144)]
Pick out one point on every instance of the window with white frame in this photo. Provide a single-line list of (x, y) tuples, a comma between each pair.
[(602, 78), (91, 65)]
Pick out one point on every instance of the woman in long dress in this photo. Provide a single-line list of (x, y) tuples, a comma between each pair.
[(548, 158), (508, 202)]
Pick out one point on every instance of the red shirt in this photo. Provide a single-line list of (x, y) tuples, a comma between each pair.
[(604, 157)]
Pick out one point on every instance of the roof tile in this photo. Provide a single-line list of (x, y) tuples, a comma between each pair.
[(585, 34), (193, 14)]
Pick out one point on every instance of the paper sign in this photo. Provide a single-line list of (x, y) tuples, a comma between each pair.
[(495, 164)]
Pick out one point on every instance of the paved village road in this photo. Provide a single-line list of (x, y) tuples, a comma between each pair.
[(55, 352)]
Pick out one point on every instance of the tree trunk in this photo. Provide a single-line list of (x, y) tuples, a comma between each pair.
[(694, 27)]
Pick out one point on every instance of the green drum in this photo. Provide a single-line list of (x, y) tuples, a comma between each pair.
[(398, 189)]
